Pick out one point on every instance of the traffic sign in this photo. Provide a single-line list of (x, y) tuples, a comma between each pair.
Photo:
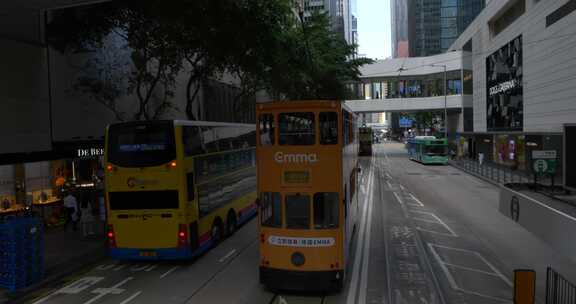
[(405, 122), (543, 166), (544, 161), (544, 154)]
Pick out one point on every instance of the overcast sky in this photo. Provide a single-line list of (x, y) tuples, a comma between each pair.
[(374, 28)]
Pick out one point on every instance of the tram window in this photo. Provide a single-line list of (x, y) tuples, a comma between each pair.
[(266, 125), (297, 211), (325, 210), (328, 128), (297, 128), (271, 209)]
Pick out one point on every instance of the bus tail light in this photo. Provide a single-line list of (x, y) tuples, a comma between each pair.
[(171, 165), (111, 237), (110, 168), (182, 235)]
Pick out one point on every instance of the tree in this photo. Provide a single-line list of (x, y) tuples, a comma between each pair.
[(258, 41)]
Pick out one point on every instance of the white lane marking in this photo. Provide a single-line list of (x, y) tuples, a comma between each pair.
[(416, 200), (504, 278), (389, 184), (169, 272), (471, 269), (73, 288), (398, 198), (151, 267), (281, 300), (440, 221), (102, 292), (402, 187), (132, 297), (351, 298), (106, 266), (451, 280), (224, 258), (425, 220), (447, 272), (136, 268), (120, 267), (367, 243), (435, 232)]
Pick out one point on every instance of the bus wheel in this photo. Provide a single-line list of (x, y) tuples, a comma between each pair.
[(231, 223), (216, 233)]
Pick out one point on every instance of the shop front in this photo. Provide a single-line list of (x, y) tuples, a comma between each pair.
[(40, 185)]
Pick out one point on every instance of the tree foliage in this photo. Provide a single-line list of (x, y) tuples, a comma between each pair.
[(261, 42)]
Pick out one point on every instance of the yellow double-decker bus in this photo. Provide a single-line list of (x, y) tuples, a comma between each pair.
[(307, 167), (176, 188)]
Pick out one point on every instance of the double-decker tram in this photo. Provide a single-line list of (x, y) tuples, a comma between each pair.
[(175, 188), (307, 163), (428, 150), (366, 138)]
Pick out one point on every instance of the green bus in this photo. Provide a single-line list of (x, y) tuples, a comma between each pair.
[(365, 140), (428, 150)]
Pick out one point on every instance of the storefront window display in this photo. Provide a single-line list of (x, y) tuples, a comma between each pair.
[(509, 150), (7, 190)]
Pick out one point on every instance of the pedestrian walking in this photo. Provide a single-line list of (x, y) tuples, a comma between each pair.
[(71, 206), (86, 218)]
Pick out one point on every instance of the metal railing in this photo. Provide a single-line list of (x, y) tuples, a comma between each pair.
[(558, 289), (494, 172)]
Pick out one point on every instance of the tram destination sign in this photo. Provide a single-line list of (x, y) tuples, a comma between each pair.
[(301, 241)]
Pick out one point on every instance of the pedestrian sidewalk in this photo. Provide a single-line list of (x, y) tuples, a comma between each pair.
[(65, 253)]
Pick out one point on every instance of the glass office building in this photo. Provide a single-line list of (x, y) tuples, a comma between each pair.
[(429, 27)]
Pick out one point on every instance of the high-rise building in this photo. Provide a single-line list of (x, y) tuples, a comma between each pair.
[(400, 26), (340, 12), (428, 27)]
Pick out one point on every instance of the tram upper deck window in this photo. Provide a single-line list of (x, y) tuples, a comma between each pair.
[(266, 125), (297, 211), (325, 210), (328, 128), (297, 128), (271, 209)]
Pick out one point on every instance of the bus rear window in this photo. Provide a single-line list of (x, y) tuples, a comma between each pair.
[(326, 210), (297, 128), (297, 211), (141, 144)]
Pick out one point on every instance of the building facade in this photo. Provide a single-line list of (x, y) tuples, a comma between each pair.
[(339, 11), (522, 54), (428, 27), (53, 129)]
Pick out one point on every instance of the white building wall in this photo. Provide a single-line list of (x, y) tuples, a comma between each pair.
[(549, 63)]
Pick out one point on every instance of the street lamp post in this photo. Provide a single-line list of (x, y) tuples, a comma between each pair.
[(445, 100)]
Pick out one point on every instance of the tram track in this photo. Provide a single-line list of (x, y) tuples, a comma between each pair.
[(427, 290)]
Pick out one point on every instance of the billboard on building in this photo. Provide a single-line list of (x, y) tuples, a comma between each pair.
[(504, 93)]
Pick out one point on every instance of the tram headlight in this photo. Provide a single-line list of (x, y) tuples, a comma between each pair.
[(297, 259)]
